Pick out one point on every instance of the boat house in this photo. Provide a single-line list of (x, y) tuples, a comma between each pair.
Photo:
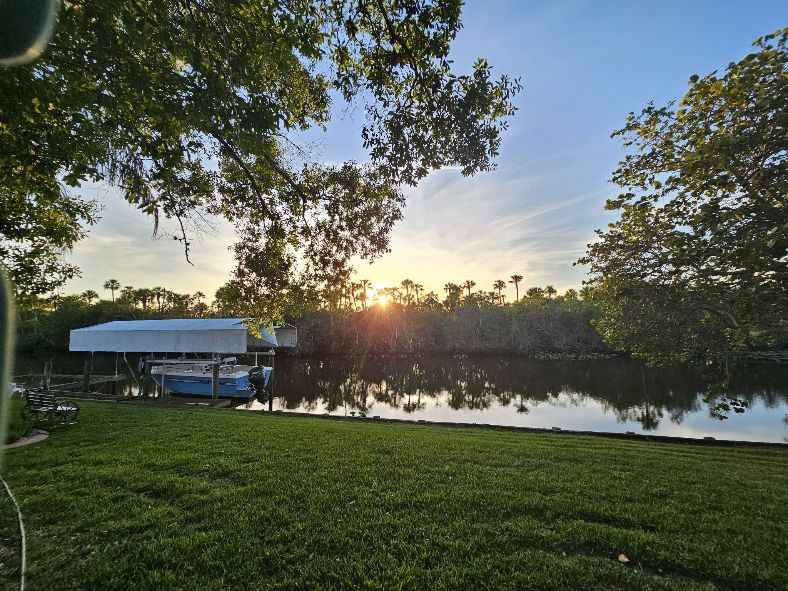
[(213, 377), (183, 335)]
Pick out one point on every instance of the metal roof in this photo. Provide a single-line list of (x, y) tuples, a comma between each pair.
[(180, 335), (171, 324)]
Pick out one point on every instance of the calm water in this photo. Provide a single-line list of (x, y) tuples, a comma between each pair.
[(602, 395)]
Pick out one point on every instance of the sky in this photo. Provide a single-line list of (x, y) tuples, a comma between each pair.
[(584, 66)]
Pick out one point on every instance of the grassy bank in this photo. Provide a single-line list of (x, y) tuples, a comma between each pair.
[(147, 498)]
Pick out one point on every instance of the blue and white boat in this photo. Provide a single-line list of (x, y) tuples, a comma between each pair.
[(196, 378)]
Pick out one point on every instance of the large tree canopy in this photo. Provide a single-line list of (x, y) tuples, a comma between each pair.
[(194, 106), (697, 264)]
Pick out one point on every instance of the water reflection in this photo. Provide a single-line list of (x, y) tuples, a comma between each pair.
[(610, 395), (601, 395)]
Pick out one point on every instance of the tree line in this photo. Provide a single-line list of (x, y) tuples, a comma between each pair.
[(340, 318), (345, 294), (43, 323)]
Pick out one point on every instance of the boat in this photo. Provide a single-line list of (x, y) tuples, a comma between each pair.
[(195, 377)]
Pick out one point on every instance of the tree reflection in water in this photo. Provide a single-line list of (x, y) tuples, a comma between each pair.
[(624, 388)]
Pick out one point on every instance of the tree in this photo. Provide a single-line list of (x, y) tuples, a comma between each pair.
[(498, 286), (587, 293), (364, 284), (227, 300), (128, 295), (418, 288), (144, 296), (696, 266), (432, 301), (192, 108), (453, 293), (112, 285), (516, 279), (550, 291), (468, 284), (33, 239), (89, 295), (354, 289), (396, 294), (159, 293), (407, 286)]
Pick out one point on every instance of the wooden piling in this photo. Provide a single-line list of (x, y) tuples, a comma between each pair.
[(47, 377), (271, 384), (215, 380), (86, 374)]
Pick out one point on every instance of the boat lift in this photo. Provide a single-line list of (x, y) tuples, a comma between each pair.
[(212, 336)]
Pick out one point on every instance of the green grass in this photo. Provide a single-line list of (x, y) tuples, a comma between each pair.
[(149, 498)]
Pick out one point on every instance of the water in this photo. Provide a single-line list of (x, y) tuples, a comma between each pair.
[(614, 395)]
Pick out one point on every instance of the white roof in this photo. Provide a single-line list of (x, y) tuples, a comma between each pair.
[(180, 335)]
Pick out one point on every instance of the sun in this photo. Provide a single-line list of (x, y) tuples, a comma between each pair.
[(377, 296), (382, 299)]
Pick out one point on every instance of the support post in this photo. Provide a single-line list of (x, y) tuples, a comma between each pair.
[(47, 377), (86, 375), (271, 384), (147, 379), (214, 380)]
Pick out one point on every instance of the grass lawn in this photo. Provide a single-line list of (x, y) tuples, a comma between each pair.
[(139, 497)]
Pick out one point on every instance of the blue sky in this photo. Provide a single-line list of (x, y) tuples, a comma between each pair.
[(584, 64)]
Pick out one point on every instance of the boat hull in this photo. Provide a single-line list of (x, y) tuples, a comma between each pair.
[(199, 386)]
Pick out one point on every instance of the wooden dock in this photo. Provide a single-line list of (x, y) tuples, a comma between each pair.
[(75, 381)]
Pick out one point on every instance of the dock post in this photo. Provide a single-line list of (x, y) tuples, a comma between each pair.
[(86, 375), (215, 380), (271, 386), (47, 376), (147, 379)]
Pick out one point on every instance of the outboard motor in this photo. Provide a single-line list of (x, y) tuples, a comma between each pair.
[(257, 380)]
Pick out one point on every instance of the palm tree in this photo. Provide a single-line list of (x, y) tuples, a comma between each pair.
[(407, 285), (396, 295), (112, 285), (516, 279), (158, 293), (587, 293), (354, 287), (550, 291), (418, 288), (498, 286), (128, 294), (89, 295), (431, 300), (453, 293), (143, 296), (469, 285), (364, 283), (196, 300)]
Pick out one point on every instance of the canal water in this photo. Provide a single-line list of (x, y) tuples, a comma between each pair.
[(612, 395)]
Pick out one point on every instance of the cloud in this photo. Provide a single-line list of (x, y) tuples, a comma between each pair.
[(122, 246), (490, 227)]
